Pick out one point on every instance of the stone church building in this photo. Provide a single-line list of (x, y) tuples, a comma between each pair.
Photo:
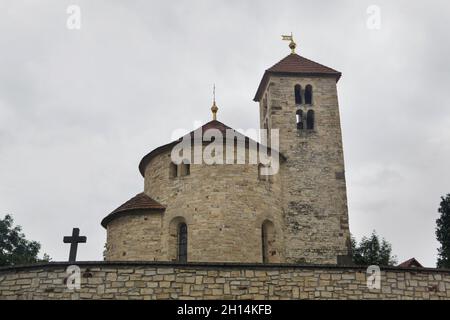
[(230, 212)]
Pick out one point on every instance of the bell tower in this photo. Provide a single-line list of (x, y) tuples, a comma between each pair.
[(298, 97)]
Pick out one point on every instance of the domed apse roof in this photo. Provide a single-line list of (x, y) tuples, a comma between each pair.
[(139, 202), (214, 124), (294, 64)]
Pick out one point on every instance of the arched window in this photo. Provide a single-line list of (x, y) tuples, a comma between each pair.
[(178, 240), (298, 94), (310, 120), (308, 94), (182, 243), (299, 116), (267, 241)]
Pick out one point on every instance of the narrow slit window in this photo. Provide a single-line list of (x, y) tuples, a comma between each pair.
[(310, 120), (182, 243), (298, 94), (299, 118), (265, 254), (267, 242)]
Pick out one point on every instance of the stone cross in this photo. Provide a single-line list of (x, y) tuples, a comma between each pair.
[(74, 240)]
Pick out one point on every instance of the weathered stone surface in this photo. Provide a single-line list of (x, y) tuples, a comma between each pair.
[(225, 282)]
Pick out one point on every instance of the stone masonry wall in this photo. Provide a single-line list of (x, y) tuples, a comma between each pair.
[(312, 179), (132, 280), (224, 207), (135, 237)]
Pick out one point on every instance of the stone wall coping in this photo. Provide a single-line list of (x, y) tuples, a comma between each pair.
[(208, 265)]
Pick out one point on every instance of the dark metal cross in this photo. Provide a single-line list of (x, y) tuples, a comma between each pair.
[(74, 240)]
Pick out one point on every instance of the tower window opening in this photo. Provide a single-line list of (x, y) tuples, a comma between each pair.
[(299, 118), (310, 120), (298, 94), (308, 94)]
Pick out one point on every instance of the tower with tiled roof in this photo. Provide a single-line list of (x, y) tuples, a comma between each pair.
[(299, 97)]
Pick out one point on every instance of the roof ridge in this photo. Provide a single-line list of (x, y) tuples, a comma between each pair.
[(299, 58)]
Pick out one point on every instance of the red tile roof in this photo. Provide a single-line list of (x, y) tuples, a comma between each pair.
[(139, 202), (411, 263), (214, 124), (294, 64)]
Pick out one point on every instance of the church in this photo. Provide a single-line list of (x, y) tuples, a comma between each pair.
[(201, 212)]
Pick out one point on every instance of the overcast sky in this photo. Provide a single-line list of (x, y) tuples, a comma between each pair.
[(79, 108)]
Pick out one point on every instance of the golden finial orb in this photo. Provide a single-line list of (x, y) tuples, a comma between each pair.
[(292, 44)]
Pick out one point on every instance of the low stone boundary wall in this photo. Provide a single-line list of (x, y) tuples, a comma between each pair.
[(157, 280)]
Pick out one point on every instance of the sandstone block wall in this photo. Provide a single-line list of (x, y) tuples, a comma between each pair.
[(132, 280), (224, 207), (135, 237)]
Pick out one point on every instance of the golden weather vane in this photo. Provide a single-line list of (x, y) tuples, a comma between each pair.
[(292, 44)]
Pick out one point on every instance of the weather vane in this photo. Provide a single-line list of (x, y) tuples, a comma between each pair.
[(214, 107), (292, 44)]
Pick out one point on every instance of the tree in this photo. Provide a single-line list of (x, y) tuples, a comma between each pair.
[(14, 248), (443, 233), (372, 251)]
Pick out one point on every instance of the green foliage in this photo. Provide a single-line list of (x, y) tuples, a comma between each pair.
[(14, 248), (372, 251), (443, 233)]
